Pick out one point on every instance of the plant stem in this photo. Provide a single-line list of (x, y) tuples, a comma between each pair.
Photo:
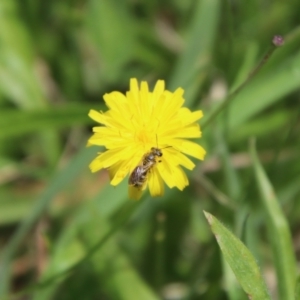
[(277, 41)]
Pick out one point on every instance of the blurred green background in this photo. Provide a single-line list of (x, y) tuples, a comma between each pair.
[(66, 233)]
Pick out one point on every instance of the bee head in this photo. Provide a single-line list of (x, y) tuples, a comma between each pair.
[(156, 152)]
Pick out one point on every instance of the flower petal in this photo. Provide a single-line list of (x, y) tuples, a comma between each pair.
[(116, 101), (134, 193), (96, 164), (174, 157), (157, 93), (109, 158), (178, 131), (103, 118), (180, 178), (119, 171), (188, 147), (166, 173), (156, 184), (145, 104), (173, 175), (187, 117), (110, 138)]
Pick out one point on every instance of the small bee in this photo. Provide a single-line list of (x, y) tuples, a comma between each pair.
[(138, 176)]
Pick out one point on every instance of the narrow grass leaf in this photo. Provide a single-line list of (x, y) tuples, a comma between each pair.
[(262, 125), (279, 233), (18, 122), (265, 90), (231, 176), (240, 260), (17, 79), (108, 22), (58, 183), (297, 291), (98, 246), (197, 54)]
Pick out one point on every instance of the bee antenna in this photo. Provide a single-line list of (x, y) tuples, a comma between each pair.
[(157, 144)]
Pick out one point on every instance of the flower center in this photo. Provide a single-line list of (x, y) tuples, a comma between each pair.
[(146, 138)]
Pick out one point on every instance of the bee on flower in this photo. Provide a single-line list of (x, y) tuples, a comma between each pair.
[(145, 134)]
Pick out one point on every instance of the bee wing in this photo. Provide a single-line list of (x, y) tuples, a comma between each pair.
[(135, 176)]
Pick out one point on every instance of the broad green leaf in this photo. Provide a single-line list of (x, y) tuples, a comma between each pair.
[(231, 285), (240, 260)]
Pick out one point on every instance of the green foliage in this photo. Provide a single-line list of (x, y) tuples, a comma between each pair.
[(279, 233), (65, 232), (240, 260)]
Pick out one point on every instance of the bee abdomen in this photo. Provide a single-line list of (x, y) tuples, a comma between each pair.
[(138, 177)]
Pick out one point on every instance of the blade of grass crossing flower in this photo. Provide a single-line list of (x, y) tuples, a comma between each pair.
[(240, 260), (279, 233)]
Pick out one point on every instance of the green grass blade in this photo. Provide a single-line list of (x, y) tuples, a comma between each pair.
[(60, 181), (197, 54), (265, 90), (18, 81), (108, 22), (231, 178), (18, 122), (240, 260), (279, 233), (297, 291), (98, 246)]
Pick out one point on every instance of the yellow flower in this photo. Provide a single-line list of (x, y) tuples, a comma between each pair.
[(139, 121)]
